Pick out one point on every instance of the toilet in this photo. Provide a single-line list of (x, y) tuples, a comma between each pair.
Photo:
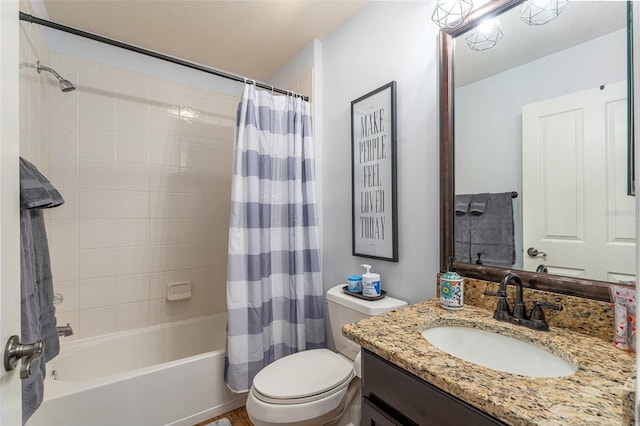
[(317, 387)]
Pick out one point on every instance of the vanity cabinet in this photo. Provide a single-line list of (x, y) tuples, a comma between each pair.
[(392, 396)]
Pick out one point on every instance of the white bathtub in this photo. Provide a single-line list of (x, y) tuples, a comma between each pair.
[(169, 374)]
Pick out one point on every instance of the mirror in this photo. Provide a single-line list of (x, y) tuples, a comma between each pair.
[(486, 107)]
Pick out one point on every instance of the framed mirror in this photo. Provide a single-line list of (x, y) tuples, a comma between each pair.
[(497, 136)]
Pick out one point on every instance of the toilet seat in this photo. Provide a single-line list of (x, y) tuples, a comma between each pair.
[(304, 387), (303, 377)]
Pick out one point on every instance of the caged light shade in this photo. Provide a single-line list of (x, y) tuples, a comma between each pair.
[(486, 36), (451, 13), (539, 12)]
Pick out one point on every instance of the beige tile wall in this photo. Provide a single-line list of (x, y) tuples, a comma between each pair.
[(148, 180), (34, 95), (144, 165)]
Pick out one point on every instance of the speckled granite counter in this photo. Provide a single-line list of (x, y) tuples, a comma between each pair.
[(601, 392)]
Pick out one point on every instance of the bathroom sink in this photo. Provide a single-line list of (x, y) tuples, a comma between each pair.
[(498, 352)]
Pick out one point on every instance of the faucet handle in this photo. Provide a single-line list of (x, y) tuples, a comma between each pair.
[(538, 320), (554, 306), (502, 308)]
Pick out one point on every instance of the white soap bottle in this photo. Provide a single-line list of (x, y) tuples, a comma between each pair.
[(370, 283)]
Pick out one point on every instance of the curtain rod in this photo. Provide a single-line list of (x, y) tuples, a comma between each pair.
[(35, 20)]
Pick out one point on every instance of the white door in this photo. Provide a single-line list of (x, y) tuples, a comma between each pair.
[(10, 386), (575, 203)]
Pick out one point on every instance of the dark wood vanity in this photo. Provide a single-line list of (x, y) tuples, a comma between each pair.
[(391, 396)]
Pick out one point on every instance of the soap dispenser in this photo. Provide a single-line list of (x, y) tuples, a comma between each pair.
[(370, 282), (451, 288)]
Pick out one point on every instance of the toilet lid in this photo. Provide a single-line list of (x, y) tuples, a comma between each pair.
[(303, 374)]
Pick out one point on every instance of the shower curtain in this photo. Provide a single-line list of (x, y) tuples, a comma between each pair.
[(274, 292)]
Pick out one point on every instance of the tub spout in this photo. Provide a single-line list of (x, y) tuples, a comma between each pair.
[(65, 330)]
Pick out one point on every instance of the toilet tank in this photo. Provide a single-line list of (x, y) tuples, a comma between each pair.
[(345, 309)]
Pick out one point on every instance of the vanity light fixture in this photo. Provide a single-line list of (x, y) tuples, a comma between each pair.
[(451, 13), (539, 12), (486, 36)]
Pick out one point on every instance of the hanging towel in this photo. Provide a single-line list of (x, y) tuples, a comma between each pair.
[(478, 204), (492, 232), (38, 321), (33, 386), (35, 189), (461, 203), (462, 228)]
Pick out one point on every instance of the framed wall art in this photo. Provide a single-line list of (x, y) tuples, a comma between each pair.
[(374, 174)]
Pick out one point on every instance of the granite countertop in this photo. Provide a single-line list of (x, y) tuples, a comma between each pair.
[(601, 392)]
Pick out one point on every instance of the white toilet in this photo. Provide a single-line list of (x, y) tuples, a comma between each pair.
[(317, 387)]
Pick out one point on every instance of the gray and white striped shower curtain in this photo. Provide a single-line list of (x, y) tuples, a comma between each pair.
[(274, 291)]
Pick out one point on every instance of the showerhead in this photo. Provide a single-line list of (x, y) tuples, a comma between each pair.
[(65, 85)]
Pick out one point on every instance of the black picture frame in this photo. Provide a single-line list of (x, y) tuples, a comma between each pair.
[(374, 174)]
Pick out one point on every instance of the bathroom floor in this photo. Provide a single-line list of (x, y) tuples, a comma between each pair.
[(237, 417)]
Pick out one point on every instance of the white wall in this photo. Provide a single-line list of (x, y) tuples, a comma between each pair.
[(385, 41)]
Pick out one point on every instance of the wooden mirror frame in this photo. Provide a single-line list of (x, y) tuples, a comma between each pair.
[(591, 289)]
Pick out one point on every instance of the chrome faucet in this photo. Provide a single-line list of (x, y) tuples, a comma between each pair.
[(65, 330), (518, 316)]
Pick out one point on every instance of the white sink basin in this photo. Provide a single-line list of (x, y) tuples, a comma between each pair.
[(498, 352)]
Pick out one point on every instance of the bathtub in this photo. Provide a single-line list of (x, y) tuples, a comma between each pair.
[(168, 374)]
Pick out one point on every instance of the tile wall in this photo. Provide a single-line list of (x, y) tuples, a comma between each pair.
[(144, 165), (34, 95)]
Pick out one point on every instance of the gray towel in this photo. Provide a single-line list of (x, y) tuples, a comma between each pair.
[(38, 321), (461, 204), (32, 387), (462, 228), (492, 233), (35, 189), (478, 204)]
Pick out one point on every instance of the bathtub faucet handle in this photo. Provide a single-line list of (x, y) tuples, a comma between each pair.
[(64, 330)]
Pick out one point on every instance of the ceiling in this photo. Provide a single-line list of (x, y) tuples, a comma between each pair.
[(251, 38), (255, 38), (579, 22)]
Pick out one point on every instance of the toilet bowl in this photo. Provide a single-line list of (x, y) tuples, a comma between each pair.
[(306, 388), (319, 386)]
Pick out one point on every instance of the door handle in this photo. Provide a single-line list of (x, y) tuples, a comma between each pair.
[(542, 269), (533, 252), (15, 351)]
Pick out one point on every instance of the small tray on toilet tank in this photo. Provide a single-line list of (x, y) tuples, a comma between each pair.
[(362, 296)]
